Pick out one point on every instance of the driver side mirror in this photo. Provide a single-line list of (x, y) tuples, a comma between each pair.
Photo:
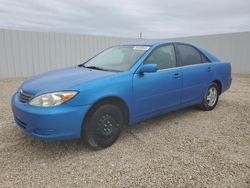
[(147, 68)]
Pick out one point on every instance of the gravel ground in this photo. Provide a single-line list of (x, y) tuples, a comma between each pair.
[(186, 148)]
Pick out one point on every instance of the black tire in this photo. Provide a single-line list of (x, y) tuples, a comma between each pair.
[(103, 126), (210, 105)]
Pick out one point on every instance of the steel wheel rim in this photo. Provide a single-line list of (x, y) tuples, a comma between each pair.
[(107, 126), (212, 96)]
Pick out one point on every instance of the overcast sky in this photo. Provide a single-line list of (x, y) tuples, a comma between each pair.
[(154, 18)]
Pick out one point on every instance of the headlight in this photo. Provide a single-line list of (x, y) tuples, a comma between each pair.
[(52, 99)]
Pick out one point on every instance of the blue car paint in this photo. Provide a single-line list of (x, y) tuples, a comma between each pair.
[(62, 78), (53, 123), (145, 95)]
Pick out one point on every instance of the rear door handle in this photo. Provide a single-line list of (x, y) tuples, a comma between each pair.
[(209, 69), (176, 75)]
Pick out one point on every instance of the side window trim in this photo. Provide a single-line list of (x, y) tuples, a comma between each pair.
[(163, 45), (177, 56)]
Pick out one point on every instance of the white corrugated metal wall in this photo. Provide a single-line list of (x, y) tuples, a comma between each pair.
[(24, 53), (232, 47)]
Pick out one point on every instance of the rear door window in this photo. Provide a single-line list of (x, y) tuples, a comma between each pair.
[(204, 59), (189, 55)]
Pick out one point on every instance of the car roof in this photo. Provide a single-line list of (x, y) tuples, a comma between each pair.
[(155, 42)]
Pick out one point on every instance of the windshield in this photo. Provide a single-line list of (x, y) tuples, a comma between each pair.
[(118, 58)]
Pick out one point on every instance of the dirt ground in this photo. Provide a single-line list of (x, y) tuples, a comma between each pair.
[(186, 148)]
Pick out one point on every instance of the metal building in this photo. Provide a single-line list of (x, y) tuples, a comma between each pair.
[(24, 53), (232, 47)]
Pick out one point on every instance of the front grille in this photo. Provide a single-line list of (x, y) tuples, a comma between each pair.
[(24, 97)]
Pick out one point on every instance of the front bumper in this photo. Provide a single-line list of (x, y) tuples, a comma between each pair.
[(49, 123)]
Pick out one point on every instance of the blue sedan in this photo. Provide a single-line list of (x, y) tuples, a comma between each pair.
[(122, 85)]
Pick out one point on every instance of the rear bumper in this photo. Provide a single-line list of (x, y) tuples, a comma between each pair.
[(53, 123)]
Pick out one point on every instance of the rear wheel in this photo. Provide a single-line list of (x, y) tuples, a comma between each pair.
[(103, 126), (211, 97)]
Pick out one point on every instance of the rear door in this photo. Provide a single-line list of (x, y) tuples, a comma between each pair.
[(197, 73), (157, 91)]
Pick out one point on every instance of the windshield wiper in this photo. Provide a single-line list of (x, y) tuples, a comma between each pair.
[(98, 68), (93, 67)]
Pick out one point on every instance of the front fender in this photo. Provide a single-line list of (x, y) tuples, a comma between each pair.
[(119, 85)]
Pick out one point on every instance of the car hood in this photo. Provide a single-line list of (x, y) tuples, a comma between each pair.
[(62, 79)]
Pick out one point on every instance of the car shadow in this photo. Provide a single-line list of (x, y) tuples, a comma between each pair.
[(58, 149)]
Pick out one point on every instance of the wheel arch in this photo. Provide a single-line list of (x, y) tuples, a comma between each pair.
[(218, 82), (108, 100)]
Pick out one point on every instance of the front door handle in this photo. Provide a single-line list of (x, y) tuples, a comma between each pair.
[(176, 75)]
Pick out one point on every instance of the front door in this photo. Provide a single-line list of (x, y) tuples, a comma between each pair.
[(161, 90)]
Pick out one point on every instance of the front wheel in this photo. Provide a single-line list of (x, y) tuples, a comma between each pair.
[(211, 97), (103, 126)]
